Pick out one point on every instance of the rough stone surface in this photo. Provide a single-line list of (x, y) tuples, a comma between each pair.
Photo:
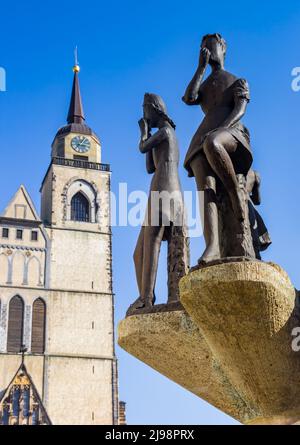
[(70, 268), (246, 312), (88, 244), (9, 364), (22, 261), (91, 402), (171, 343)]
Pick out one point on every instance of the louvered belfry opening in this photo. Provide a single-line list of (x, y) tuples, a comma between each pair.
[(38, 326), (80, 208), (15, 324)]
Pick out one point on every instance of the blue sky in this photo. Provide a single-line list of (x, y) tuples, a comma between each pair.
[(126, 49)]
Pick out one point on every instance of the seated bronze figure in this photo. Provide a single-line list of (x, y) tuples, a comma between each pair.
[(220, 156)]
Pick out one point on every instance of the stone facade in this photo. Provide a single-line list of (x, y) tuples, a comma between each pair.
[(68, 265)]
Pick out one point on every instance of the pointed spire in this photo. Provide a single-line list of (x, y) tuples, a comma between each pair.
[(76, 114)]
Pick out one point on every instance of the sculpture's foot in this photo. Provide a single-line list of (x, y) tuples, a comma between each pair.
[(140, 303), (210, 254)]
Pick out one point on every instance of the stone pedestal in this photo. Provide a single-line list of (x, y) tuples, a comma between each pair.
[(232, 346), (246, 312), (171, 344)]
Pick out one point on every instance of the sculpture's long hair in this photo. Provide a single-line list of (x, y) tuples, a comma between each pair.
[(157, 103), (163, 115)]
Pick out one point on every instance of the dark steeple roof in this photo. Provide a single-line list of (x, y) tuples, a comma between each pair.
[(75, 119), (75, 115)]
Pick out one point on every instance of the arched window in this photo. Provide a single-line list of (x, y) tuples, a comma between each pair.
[(15, 324), (18, 266), (80, 208), (4, 268), (38, 326), (34, 271), (81, 201)]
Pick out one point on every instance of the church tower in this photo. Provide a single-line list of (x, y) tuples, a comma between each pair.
[(74, 367)]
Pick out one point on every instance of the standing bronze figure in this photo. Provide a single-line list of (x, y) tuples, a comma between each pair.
[(219, 156), (164, 220)]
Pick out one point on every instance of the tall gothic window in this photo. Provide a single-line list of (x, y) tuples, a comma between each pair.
[(80, 208), (15, 324), (38, 326)]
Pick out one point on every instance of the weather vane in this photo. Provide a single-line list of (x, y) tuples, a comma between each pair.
[(76, 67)]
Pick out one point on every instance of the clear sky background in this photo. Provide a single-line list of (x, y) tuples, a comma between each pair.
[(127, 48)]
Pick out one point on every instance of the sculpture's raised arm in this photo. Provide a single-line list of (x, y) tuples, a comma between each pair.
[(145, 135), (155, 140), (192, 93)]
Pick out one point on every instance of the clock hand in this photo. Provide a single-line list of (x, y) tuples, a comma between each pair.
[(84, 139)]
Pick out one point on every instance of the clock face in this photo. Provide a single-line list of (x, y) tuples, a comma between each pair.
[(81, 144)]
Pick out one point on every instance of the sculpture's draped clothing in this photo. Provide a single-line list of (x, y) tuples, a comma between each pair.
[(218, 96)]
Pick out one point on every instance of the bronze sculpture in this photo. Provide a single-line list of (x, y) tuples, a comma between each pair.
[(260, 235), (164, 220), (219, 156)]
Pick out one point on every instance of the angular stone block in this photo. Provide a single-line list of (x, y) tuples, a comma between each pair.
[(171, 344), (246, 313)]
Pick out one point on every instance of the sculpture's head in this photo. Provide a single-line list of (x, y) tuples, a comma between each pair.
[(217, 47), (155, 110)]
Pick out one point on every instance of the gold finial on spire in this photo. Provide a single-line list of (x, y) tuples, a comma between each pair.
[(76, 67)]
